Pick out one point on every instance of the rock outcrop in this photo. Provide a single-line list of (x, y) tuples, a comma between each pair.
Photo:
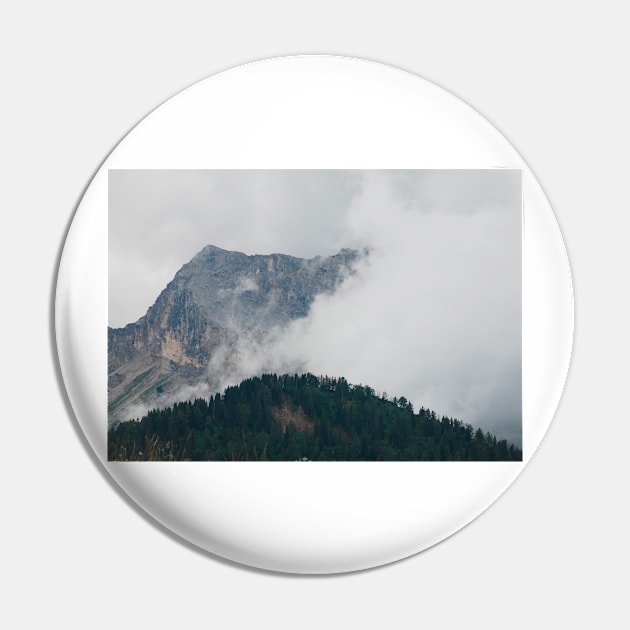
[(195, 325)]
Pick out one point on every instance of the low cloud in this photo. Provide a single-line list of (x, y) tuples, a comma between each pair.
[(434, 312)]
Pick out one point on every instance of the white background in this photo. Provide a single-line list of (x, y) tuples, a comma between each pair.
[(552, 551)]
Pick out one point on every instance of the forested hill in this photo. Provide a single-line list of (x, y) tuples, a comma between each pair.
[(291, 417)]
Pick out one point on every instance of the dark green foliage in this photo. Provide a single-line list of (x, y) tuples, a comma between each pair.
[(292, 417)]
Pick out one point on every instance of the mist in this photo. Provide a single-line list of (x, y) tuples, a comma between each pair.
[(432, 314)]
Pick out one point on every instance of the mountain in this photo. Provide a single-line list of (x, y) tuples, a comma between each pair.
[(220, 300), (305, 417)]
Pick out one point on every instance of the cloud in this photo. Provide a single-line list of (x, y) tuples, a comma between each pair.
[(434, 313), (159, 219)]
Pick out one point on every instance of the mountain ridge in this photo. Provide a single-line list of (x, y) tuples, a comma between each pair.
[(215, 300)]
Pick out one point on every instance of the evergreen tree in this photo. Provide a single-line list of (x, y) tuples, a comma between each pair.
[(296, 417)]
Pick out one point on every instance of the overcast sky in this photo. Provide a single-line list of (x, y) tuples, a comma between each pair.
[(433, 314)]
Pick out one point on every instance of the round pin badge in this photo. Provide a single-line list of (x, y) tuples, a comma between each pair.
[(314, 314)]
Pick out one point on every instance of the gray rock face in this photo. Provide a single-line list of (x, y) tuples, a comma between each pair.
[(215, 300)]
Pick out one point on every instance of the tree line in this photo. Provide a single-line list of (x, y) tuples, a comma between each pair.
[(302, 417)]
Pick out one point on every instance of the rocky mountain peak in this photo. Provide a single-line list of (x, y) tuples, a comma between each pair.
[(212, 301)]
